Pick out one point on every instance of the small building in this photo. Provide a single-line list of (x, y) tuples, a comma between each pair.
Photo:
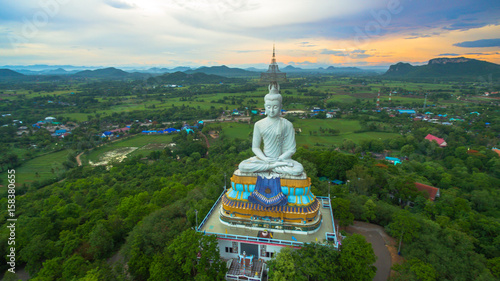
[(60, 132), (121, 130), (432, 191), (406, 111), (440, 142), (393, 160), (170, 130)]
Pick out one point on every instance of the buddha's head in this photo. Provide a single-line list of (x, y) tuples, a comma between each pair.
[(272, 102)]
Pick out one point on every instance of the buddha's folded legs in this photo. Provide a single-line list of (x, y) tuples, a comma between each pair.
[(255, 165), (295, 169)]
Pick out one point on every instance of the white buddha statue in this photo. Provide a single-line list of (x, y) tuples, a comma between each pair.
[(279, 141)]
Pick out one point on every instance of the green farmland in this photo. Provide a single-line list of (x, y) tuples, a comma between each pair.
[(40, 168), (135, 145)]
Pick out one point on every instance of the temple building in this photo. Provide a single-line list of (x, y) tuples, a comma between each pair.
[(269, 204)]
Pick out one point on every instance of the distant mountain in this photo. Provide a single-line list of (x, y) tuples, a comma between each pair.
[(345, 69), (255, 69), (59, 71), (9, 73), (445, 68), (290, 68), (180, 68), (400, 68), (224, 71), (182, 78), (109, 72)]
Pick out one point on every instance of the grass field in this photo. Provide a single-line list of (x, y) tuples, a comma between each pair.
[(144, 144), (27, 94), (47, 166)]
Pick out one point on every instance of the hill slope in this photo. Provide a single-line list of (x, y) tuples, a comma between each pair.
[(109, 72), (182, 78), (9, 73)]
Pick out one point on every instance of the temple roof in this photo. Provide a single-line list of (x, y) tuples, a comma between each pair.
[(431, 190), (273, 74)]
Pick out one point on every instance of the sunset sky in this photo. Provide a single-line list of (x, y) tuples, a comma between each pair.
[(240, 33)]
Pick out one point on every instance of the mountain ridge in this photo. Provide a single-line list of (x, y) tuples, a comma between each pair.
[(444, 68)]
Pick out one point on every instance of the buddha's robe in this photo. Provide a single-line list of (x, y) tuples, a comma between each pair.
[(279, 138)]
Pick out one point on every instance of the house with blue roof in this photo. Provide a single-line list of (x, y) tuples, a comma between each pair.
[(406, 111)]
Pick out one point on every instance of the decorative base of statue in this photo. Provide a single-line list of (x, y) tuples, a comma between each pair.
[(268, 193)]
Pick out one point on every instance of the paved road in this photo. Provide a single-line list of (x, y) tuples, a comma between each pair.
[(376, 235)]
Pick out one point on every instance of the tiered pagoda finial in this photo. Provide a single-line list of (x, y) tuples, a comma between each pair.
[(273, 75)]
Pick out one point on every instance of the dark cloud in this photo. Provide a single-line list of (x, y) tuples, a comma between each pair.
[(415, 35), (119, 4), (448, 54), (483, 43), (416, 19), (465, 25), (307, 44), (333, 52), (483, 54)]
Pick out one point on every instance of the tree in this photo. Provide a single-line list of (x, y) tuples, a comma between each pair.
[(494, 266), (360, 179), (191, 255), (415, 269), (369, 210), (283, 267), (74, 267), (101, 242), (51, 270), (356, 259), (341, 211), (407, 149), (312, 262), (404, 226)]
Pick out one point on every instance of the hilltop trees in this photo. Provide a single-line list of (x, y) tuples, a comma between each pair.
[(318, 262)]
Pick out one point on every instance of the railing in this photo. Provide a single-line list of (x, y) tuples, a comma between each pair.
[(210, 212), (328, 234), (256, 239)]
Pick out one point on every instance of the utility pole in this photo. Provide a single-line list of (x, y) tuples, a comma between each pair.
[(196, 213), (329, 184), (401, 239)]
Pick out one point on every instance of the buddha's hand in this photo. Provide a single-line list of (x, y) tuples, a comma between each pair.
[(269, 159), (283, 157)]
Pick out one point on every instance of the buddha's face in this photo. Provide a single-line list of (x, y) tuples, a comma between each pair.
[(273, 108)]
